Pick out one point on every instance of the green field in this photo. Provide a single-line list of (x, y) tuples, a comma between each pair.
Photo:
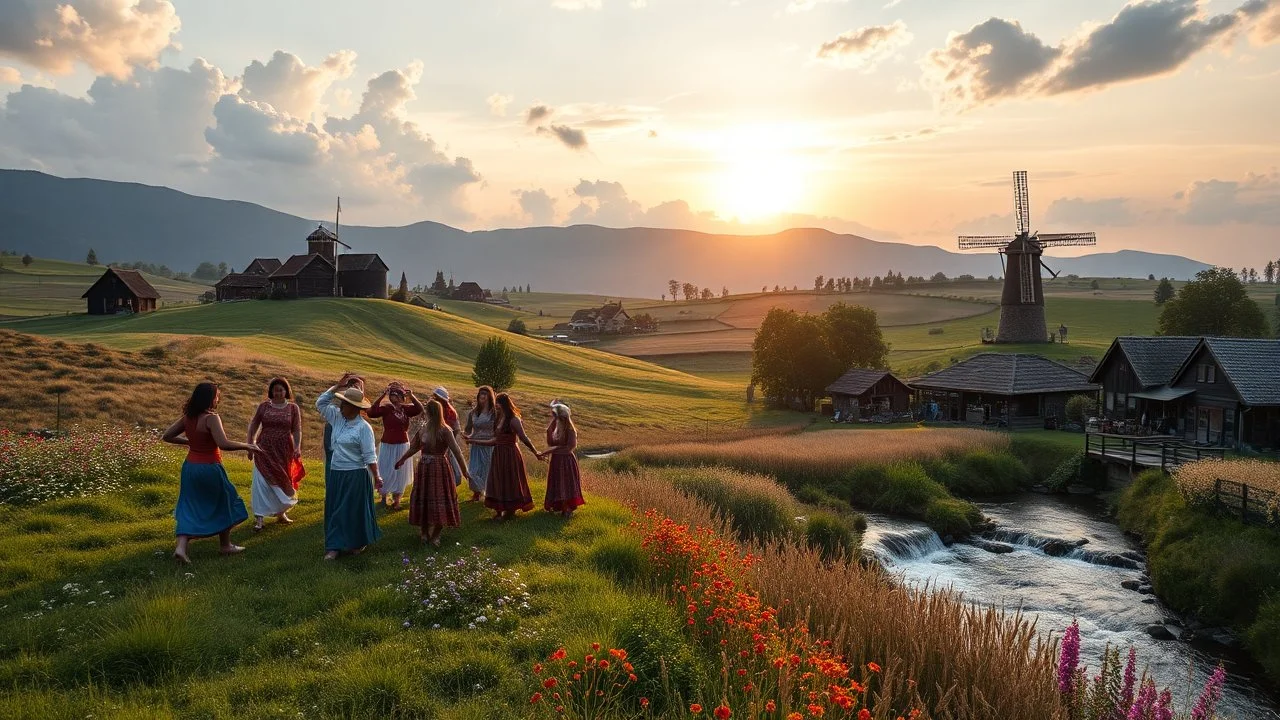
[(54, 287)]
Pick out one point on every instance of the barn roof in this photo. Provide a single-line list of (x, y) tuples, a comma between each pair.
[(1154, 360), (243, 280), (297, 263), (360, 261), (858, 381), (1252, 365), (1007, 374), (469, 286), (268, 265), (132, 279)]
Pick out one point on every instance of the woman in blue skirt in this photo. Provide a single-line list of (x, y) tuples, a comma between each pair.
[(349, 522), (208, 503)]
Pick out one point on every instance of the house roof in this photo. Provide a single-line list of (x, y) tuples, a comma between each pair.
[(609, 310), (1154, 360), (322, 233), (1007, 374), (587, 316), (132, 279), (243, 280), (360, 261), (858, 381), (1252, 365), (297, 263), (268, 265), (469, 286)]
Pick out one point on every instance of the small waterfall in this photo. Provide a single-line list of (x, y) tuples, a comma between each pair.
[(1060, 547), (896, 548), (1095, 557)]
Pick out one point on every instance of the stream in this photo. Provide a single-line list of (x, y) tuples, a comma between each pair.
[(1043, 568)]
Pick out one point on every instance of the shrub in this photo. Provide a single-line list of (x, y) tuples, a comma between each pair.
[(756, 506), (470, 592), (983, 472), (830, 536), (1263, 639), (950, 516), (908, 489), (495, 365), (1067, 473), (1080, 408), (517, 326)]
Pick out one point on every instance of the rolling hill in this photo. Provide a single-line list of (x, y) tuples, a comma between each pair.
[(51, 287), (63, 218)]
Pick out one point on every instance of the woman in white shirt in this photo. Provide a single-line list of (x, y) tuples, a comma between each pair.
[(349, 521)]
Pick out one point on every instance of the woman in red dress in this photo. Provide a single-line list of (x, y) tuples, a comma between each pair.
[(508, 488), (450, 421), (277, 470), (564, 484), (396, 417), (434, 502)]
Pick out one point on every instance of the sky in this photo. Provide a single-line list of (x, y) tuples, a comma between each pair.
[(1153, 123)]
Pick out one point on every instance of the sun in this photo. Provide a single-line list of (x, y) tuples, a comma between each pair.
[(759, 177)]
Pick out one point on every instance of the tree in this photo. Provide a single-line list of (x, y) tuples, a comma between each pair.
[(1164, 291), (438, 286), (673, 289), (206, 271), (938, 277), (517, 326), (27, 260), (1214, 303), (644, 322), (690, 291), (91, 258), (1253, 275), (222, 270), (818, 282), (1269, 272), (1080, 408), (831, 285), (790, 358), (707, 294), (495, 365), (852, 333), (724, 291), (1093, 285), (402, 293)]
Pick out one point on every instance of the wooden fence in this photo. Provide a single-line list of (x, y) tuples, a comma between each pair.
[(1259, 507)]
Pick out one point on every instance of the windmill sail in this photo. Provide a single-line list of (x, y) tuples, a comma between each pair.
[(1021, 202)]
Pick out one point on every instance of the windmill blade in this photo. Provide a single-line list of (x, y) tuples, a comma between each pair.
[(1065, 239), (969, 242), (1021, 202), (1051, 272)]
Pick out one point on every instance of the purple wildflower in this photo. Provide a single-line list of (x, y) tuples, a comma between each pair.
[(1207, 705), (1164, 706), (1130, 678), (1143, 706), (1069, 658)]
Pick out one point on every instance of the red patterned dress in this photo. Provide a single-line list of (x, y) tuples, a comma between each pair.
[(564, 484), (508, 488), (434, 500), (276, 472)]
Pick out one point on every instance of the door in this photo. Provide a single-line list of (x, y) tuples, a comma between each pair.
[(1215, 426), (1202, 425)]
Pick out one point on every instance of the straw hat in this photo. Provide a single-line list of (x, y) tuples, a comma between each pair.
[(441, 393), (352, 396)]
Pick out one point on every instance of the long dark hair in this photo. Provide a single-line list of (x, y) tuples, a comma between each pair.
[(271, 387), (480, 391), (202, 400), (509, 410)]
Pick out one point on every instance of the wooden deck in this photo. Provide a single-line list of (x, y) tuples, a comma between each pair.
[(1146, 452)]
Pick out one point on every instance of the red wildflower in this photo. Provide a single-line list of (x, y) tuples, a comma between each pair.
[(559, 654), (770, 706), (873, 667), (537, 668), (864, 714), (695, 708), (550, 683), (723, 712), (644, 702), (537, 698)]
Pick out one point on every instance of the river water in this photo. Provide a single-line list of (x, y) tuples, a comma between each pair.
[(1054, 589)]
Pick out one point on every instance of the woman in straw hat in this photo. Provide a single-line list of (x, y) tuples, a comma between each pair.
[(349, 522), (396, 416), (277, 470), (208, 503), (564, 484), (434, 503), (480, 427), (451, 421), (352, 381), (508, 487)]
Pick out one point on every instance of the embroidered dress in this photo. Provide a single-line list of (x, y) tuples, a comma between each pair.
[(349, 520), (481, 455), (276, 472), (394, 443), (508, 486), (564, 484), (207, 501), (434, 500), (451, 419)]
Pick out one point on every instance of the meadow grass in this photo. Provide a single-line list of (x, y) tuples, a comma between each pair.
[(54, 287), (1197, 480)]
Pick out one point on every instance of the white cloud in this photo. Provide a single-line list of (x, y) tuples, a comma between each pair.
[(865, 48), (539, 208), (111, 37), (498, 104), (576, 4), (10, 76), (1254, 200), (290, 85), (799, 6)]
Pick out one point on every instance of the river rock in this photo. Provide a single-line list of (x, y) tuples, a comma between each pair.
[(1131, 584), (948, 540), (998, 548), (1134, 555), (1080, 490), (1149, 600), (1042, 489), (1160, 632), (1057, 548), (1082, 542), (1146, 590), (1173, 621), (1223, 637)]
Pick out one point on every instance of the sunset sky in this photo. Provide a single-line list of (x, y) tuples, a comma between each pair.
[(1156, 124)]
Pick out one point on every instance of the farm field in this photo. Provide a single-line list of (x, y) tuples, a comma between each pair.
[(54, 287)]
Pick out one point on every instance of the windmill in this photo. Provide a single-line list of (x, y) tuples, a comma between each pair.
[(1022, 302)]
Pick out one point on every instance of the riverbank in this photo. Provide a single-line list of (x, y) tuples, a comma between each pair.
[(1215, 568)]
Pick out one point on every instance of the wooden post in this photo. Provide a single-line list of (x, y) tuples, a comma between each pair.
[(1217, 492), (1244, 502)]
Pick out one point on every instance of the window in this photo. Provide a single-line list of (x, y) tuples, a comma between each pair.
[(1111, 401), (1199, 373), (1206, 373)]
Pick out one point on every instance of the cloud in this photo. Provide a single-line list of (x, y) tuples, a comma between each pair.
[(10, 76), (289, 85), (498, 104), (799, 6), (538, 207), (111, 37), (576, 4), (1109, 212), (987, 225), (572, 138), (603, 202), (1255, 200), (250, 131), (537, 114), (1267, 27), (998, 59), (865, 48)]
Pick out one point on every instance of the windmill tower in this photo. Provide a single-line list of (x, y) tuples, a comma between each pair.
[(1022, 302)]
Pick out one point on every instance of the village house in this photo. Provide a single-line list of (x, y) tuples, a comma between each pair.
[(863, 393), (608, 318), (469, 291), (1015, 389), (321, 272), (1135, 374), (120, 291)]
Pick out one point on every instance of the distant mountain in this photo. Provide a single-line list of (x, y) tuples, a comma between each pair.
[(62, 218)]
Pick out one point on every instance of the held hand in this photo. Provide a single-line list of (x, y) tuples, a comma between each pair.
[(398, 464), (377, 483), (253, 448)]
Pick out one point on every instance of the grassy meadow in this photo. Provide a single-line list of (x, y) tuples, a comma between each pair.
[(54, 287)]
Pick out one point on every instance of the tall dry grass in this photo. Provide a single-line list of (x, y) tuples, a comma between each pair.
[(1196, 480), (961, 661)]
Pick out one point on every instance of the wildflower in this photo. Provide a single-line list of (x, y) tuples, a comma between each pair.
[(537, 668), (873, 667), (864, 714), (535, 699), (770, 706), (1069, 658), (1206, 706), (815, 710), (644, 702), (1130, 675), (550, 683), (723, 712)]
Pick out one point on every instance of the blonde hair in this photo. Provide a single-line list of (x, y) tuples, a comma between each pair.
[(564, 418)]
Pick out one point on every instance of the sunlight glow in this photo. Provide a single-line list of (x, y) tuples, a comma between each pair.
[(762, 176)]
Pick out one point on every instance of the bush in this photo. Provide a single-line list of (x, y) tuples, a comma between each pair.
[(517, 326), (831, 536), (1080, 408), (1263, 639), (950, 516), (495, 365), (656, 648), (983, 472), (756, 506)]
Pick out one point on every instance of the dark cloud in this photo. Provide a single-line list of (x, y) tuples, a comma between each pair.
[(1110, 212), (992, 60), (537, 114), (866, 47), (111, 37), (572, 138), (1255, 200)]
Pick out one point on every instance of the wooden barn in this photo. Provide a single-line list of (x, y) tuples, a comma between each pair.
[(1232, 390), (303, 276), (468, 291), (121, 291), (863, 393), (1135, 374), (362, 275), (242, 286), (263, 266), (1012, 389)]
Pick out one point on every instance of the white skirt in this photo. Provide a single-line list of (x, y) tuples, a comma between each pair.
[(268, 499), (394, 481)]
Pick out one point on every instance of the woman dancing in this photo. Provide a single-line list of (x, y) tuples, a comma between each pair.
[(451, 421), (349, 522), (208, 503), (277, 470), (564, 484), (434, 502), (508, 488), (396, 417), (480, 427)]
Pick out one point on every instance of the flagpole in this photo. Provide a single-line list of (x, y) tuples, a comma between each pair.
[(337, 216)]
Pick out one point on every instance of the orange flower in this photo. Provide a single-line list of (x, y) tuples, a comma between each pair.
[(816, 710), (632, 677), (537, 698), (695, 708), (550, 683), (873, 667), (595, 647), (559, 654), (795, 716), (723, 712), (864, 714), (644, 702), (604, 664)]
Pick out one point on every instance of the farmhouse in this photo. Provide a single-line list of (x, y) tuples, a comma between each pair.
[(1015, 389), (1135, 374), (469, 291), (241, 286), (121, 291), (321, 272), (862, 393), (608, 318)]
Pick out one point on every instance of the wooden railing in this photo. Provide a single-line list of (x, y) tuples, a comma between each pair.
[(1250, 504), (1147, 451)]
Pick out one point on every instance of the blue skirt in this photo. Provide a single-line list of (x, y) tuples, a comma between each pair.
[(478, 466), (208, 503), (349, 521)]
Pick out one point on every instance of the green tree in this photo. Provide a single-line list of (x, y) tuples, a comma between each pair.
[(91, 258), (1080, 408), (438, 286), (1164, 291), (790, 357), (27, 260), (402, 293), (517, 326), (495, 365), (1093, 285), (206, 271), (673, 288), (852, 334), (1215, 303), (1269, 272)]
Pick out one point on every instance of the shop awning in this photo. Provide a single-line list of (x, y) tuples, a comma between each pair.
[(1164, 393)]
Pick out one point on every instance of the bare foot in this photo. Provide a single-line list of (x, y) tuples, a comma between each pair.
[(331, 555), (181, 558), (360, 549), (232, 550), (284, 519)]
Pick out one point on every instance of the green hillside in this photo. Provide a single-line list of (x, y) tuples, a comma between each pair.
[(54, 287)]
